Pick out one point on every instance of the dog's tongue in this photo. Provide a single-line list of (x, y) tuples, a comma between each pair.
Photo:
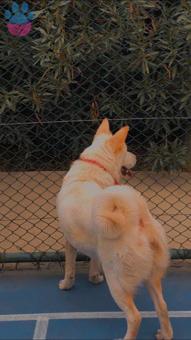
[(126, 173), (130, 173)]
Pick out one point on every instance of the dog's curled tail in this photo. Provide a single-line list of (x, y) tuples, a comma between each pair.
[(109, 216)]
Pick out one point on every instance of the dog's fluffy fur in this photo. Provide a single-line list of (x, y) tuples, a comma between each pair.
[(112, 225)]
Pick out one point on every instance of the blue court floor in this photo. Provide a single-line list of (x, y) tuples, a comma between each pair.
[(32, 307)]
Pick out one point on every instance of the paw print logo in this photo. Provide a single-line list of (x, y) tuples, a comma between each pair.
[(19, 19)]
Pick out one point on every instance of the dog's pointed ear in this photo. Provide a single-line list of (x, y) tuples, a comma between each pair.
[(103, 128), (117, 141)]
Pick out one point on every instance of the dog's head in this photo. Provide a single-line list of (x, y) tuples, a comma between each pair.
[(112, 148)]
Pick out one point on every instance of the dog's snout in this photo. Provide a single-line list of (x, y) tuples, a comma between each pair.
[(130, 160), (134, 160)]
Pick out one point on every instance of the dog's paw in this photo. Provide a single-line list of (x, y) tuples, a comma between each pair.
[(66, 284), (96, 279), (160, 336)]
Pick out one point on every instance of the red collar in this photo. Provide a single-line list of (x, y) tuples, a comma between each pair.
[(92, 161)]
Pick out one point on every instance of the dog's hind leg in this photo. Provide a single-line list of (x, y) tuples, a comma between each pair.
[(70, 267), (95, 272), (133, 317), (155, 290), (125, 301)]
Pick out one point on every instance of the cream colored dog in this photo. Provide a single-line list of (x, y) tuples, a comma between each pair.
[(113, 226)]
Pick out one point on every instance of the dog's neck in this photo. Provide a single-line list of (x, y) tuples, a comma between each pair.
[(85, 171), (100, 165)]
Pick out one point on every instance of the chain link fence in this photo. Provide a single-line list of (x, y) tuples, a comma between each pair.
[(81, 62)]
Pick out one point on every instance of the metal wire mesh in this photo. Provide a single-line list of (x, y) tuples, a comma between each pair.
[(50, 109)]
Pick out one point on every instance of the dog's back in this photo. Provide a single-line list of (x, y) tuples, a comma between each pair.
[(128, 234)]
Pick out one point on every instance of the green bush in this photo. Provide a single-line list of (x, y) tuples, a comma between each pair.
[(127, 60)]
